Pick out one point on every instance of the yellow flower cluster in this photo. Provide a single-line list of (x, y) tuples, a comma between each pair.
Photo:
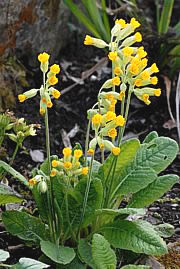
[(69, 165), (46, 90)]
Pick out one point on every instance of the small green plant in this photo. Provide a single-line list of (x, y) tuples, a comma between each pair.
[(81, 222)]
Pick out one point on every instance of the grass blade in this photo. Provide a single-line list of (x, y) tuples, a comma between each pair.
[(165, 16), (106, 19)]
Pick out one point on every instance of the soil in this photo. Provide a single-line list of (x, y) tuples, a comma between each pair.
[(70, 110)]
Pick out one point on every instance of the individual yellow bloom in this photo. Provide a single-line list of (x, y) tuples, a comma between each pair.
[(116, 81), (43, 57), (88, 40), (144, 62), (135, 61), (90, 151), (146, 99), (121, 95), (55, 163), (112, 133), (138, 37), (110, 116), (42, 111), (133, 69), (112, 55), (138, 82), (67, 152), (121, 22), (67, 165), (145, 75), (53, 80), (116, 151), (97, 119), (22, 98), (56, 94), (78, 153), (110, 97), (32, 181), (49, 104), (157, 92), (141, 52), (85, 171), (134, 23), (154, 68), (127, 51), (53, 173), (117, 71), (154, 80), (120, 120), (55, 69)]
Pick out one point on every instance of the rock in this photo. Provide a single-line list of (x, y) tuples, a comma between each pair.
[(31, 27)]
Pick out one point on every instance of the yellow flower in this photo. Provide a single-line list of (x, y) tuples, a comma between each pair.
[(78, 153), (116, 81), (112, 55), (111, 108), (146, 99), (154, 68), (133, 69), (116, 151), (138, 82), (138, 37), (67, 152), (67, 165), (53, 80), (145, 75), (53, 173), (85, 171), (49, 104), (90, 151), (113, 102), (110, 97), (22, 98), (112, 133), (55, 69), (56, 94), (42, 111), (144, 62), (88, 40), (96, 119), (110, 116), (121, 95), (121, 22), (135, 61), (157, 92), (32, 181), (154, 80), (127, 51), (120, 121), (117, 71), (134, 23), (55, 163), (43, 57), (141, 52)]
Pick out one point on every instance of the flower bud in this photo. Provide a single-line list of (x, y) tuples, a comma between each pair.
[(42, 186), (93, 143)]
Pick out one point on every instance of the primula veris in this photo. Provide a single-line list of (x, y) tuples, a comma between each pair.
[(116, 151), (55, 69), (43, 57), (78, 153), (67, 152)]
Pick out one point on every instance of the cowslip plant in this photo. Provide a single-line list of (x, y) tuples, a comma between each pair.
[(81, 222)]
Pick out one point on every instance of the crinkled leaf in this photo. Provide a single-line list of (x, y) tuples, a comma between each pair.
[(24, 226), (4, 255), (58, 254), (25, 263), (103, 255), (138, 236), (150, 137), (7, 195), (165, 230), (153, 191), (85, 252)]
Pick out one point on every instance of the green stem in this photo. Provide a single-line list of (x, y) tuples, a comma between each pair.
[(2, 138), (68, 219), (14, 154), (6, 265), (87, 141)]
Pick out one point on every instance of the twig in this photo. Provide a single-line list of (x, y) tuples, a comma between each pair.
[(177, 107)]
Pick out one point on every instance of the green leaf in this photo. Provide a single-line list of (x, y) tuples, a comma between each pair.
[(165, 230), (7, 195), (153, 191), (132, 266), (165, 16), (103, 256), (4, 255), (150, 137), (158, 154), (177, 29), (122, 211), (25, 263), (138, 236), (106, 19), (41, 200), (58, 254), (75, 264), (84, 19), (85, 252), (14, 173), (44, 166), (24, 226)]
